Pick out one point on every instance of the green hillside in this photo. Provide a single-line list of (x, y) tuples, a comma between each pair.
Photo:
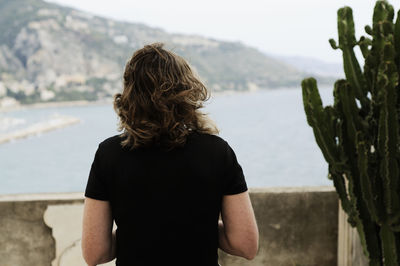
[(53, 53)]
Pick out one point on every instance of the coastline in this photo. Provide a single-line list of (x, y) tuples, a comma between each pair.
[(106, 101), (54, 104)]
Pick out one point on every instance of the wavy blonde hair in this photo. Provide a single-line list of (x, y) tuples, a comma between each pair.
[(160, 101)]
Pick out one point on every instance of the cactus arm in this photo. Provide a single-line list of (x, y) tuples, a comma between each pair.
[(317, 118), (397, 32), (388, 139), (388, 130), (367, 205), (383, 17), (350, 111), (368, 30), (397, 40), (337, 174), (333, 44), (338, 182), (347, 41), (382, 11), (366, 181), (341, 189), (345, 102), (366, 228), (364, 43), (389, 246)]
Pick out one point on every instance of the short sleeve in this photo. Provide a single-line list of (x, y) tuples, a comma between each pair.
[(96, 187), (233, 179)]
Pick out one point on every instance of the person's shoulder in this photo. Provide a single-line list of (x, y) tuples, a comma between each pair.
[(111, 142), (211, 139)]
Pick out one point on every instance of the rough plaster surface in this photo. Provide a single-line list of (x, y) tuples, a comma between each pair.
[(296, 229), (66, 222), (25, 239)]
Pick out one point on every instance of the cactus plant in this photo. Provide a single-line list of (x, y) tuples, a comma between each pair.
[(359, 134)]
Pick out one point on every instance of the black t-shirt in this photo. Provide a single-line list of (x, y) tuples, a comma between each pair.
[(166, 204)]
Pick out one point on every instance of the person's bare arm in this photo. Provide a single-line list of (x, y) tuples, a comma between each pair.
[(238, 232), (98, 240)]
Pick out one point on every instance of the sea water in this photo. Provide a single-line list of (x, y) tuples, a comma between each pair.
[(267, 130)]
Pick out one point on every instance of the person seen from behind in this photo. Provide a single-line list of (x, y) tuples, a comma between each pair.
[(174, 189)]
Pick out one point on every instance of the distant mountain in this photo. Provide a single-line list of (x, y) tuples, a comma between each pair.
[(53, 53), (313, 66)]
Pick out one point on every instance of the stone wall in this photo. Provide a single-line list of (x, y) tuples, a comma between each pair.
[(298, 226)]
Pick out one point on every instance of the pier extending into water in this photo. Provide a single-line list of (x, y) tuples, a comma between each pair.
[(55, 122)]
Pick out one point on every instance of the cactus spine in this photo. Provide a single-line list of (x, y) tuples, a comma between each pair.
[(359, 135)]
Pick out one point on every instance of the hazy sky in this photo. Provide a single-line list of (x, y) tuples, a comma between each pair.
[(284, 27)]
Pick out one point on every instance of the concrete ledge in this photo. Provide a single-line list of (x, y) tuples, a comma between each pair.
[(298, 226), (80, 195), (291, 189), (73, 196)]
